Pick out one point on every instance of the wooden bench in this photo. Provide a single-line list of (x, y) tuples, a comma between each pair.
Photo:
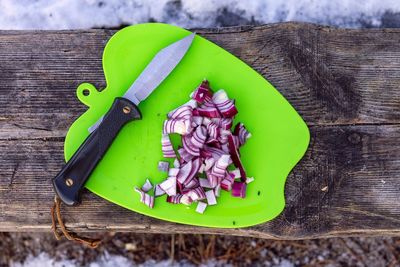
[(344, 83)]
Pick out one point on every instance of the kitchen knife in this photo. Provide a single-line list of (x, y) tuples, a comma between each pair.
[(70, 181)]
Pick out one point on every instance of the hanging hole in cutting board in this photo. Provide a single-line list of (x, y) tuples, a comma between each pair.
[(86, 93)]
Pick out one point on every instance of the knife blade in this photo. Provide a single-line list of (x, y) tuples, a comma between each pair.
[(69, 182), (154, 73)]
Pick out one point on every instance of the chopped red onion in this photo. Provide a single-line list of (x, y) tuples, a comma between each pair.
[(239, 189), (249, 180), (179, 126), (145, 198), (226, 184), (209, 163), (176, 163), (217, 190), (199, 137), (163, 166), (147, 186), (210, 112), (212, 179), (211, 200), (169, 186), (220, 166), (224, 104), (241, 132), (185, 156), (209, 147), (192, 184), (166, 146), (189, 146), (201, 207), (235, 157), (197, 120), (183, 112), (158, 191), (202, 92), (173, 172), (197, 193), (176, 199), (212, 129), (204, 183), (235, 173)]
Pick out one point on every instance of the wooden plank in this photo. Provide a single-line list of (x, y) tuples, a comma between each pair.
[(360, 165), (345, 84)]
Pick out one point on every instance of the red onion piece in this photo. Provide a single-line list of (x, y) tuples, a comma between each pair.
[(202, 92), (201, 207), (217, 190), (185, 156), (213, 130), (225, 106), (249, 180), (209, 163), (158, 191), (169, 186), (235, 157), (189, 146), (211, 200), (204, 183), (176, 199), (241, 132), (179, 126), (176, 163), (147, 186), (210, 112), (163, 166), (166, 146), (199, 137), (239, 189), (183, 112), (196, 194), (173, 172), (145, 198), (192, 184), (220, 166)]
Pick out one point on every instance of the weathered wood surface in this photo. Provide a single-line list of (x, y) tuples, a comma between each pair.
[(345, 84)]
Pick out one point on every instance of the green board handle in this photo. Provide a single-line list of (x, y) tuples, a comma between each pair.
[(70, 181)]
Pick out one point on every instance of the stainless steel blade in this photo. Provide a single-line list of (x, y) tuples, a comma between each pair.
[(162, 64)]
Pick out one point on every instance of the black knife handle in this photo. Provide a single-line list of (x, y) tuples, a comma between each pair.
[(69, 182)]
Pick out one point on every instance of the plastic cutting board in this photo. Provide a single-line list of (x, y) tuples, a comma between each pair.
[(279, 135)]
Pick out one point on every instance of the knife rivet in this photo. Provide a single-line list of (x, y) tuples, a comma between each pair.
[(126, 109), (69, 182)]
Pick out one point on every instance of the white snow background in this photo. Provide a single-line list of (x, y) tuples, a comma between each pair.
[(84, 14)]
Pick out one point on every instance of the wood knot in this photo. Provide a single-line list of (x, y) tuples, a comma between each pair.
[(354, 138)]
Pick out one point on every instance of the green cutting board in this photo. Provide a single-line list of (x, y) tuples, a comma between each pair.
[(279, 135)]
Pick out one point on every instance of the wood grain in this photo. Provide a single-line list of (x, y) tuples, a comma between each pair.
[(345, 84)]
